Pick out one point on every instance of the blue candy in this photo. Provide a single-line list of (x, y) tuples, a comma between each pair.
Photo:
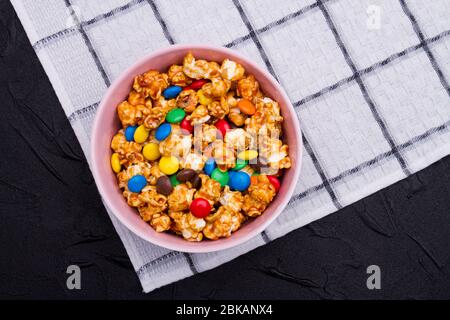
[(129, 133), (239, 181), (137, 183), (210, 165), (172, 92), (163, 131)]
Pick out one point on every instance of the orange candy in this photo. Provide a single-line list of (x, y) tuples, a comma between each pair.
[(246, 106)]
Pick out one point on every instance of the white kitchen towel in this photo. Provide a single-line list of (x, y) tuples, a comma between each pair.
[(369, 79)]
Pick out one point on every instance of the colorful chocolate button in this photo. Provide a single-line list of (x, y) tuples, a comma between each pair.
[(246, 106), (196, 85), (164, 185), (200, 207), (137, 183), (210, 165), (239, 181), (175, 115), (141, 134), (174, 181), (129, 133), (248, 155), (223, 126), (220, 176), (151, 151), (240, 163), (115, 162), (163, 131), (275, 182), (186, 125), (168, 165), (172, 92)]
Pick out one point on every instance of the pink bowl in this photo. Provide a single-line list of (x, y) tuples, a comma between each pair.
[(107, 123)]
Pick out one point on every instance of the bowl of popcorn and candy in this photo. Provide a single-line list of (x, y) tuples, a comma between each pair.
[(196, 148)]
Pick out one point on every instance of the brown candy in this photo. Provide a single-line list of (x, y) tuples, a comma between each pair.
[(261, 163), (196, 182), (186, 175), (164, 186)]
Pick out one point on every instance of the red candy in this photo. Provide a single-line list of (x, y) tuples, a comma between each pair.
[(186, 125), (200, 207), (223, 127), (197, 84), (275, 182)]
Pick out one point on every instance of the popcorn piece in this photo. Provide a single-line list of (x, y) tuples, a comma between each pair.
[(193, 161), (260, 194), (248, 88), (198, 116), (176, 144), (123, 147), (237, 117), (143, 168), (231, 200), (187, 225), (222, 223), (204, 135), (187, 100), (127, 114), (224, 155), (158, 113), (238, 139), (200, 69), (137, 99), (151, 84), (181, 197), (210, 190), (216, 88), (231, 70), (177, 76), (218, 110), (155, 202)]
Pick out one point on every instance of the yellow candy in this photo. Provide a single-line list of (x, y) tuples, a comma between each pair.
[(151, 151), (248, 154), (115, 163), (168, 165), (202, 98), (141, 134)]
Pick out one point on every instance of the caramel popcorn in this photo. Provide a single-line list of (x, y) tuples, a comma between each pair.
[(200, 69), (199, 115), (210, 189), (180, 198), (248, 88), (177, 144), (177, 76), (224, 155), (187, 225), (164, 176), (216, 88), (231, 70), (187, 100), (260, 194), (123, 147), (222, 223), (151, 84)]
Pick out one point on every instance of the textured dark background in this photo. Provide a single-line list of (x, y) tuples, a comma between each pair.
[(52, 216)]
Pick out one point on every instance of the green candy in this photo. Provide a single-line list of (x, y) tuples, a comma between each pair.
[(173, 180), (239, 164), (219, 176), (175, 115)]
